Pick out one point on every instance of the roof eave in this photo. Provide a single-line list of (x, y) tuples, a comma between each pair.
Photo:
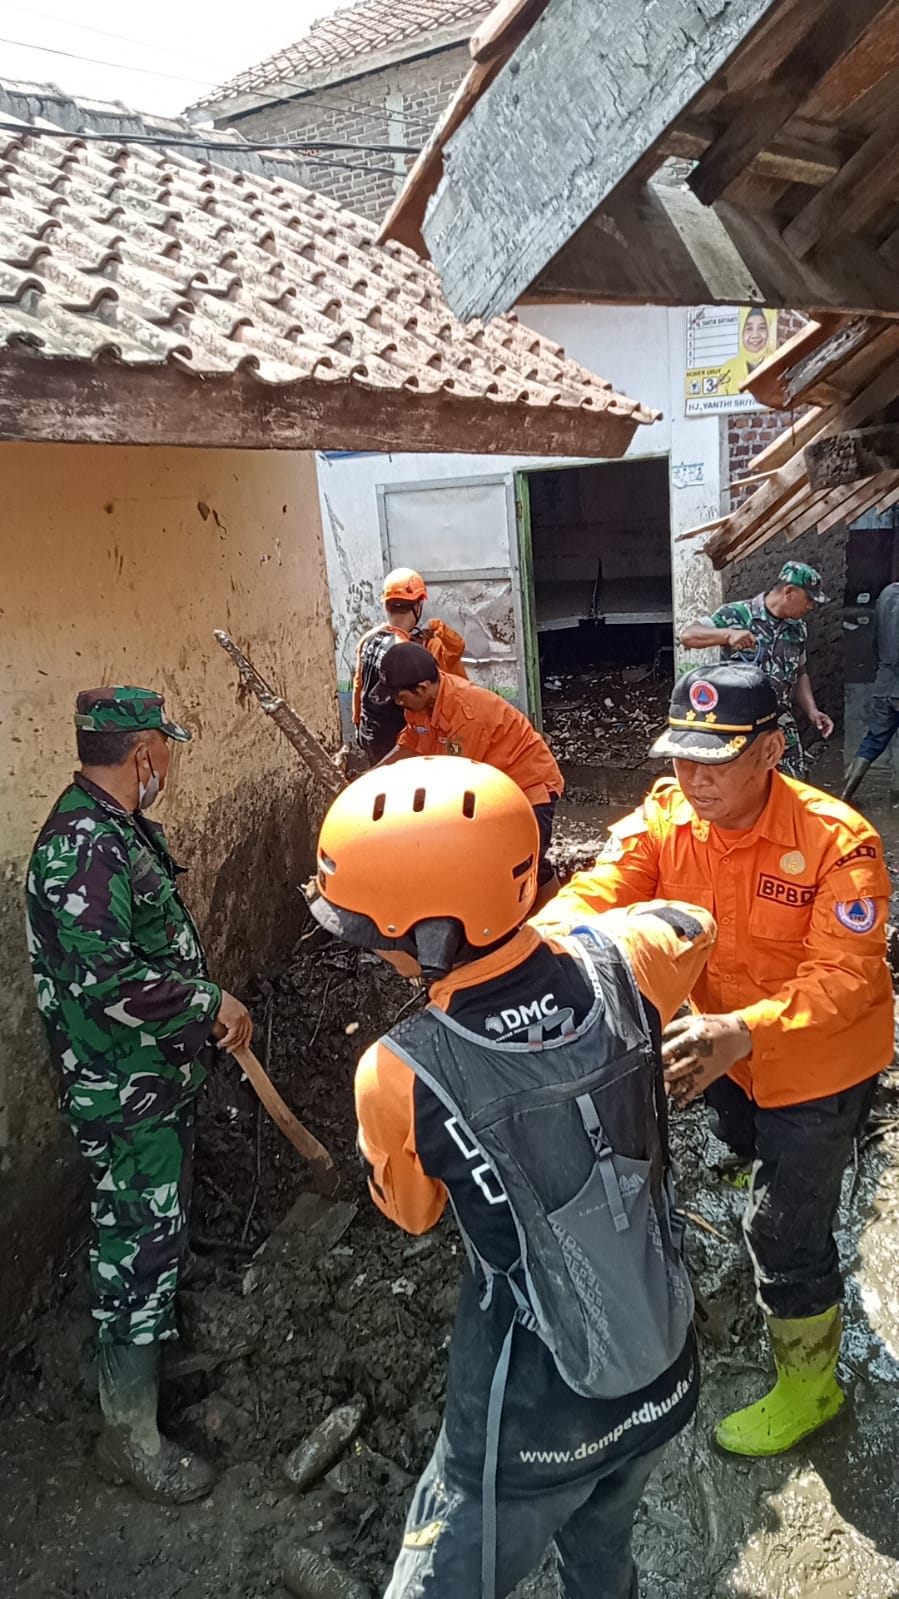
[(304, 83), (52, 400)]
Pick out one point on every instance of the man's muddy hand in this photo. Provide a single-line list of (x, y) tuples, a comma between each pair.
[(233, 1027), (698, 1049)]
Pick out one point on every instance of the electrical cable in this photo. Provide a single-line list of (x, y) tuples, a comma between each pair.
[(99, 61), (104, 33)]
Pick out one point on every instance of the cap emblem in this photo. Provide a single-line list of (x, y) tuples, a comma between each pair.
[(703, 696)]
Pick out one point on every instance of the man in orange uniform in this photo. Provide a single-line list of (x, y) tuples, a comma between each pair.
[(445, 716), (404, 594), (529, 1094), (795, 1007)]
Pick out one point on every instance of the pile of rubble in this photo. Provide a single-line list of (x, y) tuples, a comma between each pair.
[(605, 718)]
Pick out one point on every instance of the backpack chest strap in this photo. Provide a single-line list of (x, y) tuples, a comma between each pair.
[(603, 1152)]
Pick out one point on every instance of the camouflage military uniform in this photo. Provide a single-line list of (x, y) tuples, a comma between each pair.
[(781, 654), (122, 988)]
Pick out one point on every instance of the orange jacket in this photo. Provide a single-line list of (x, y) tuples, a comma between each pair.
[(446, 646), (666, 967), (801, 903), (475, 722)]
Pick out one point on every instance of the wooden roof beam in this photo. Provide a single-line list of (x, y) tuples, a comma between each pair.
[(853, 197), (788, 83), (658, 245), (794, 156), (870, 61)]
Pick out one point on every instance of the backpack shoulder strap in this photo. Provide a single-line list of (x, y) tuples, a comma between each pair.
[(591, 943)]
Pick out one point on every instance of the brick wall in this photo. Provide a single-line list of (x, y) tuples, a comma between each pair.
[(398, 105)]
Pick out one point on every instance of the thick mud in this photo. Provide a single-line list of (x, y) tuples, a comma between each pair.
[(293, 1306)]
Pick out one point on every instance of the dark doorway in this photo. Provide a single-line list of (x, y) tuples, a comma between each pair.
[(601, 547)]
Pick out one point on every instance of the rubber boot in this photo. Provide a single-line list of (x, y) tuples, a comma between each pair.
[(545, 893), (856, 772), (806, 1393), (131, 1448)]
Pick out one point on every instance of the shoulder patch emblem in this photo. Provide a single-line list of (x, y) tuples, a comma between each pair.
[(703, 696), (862, 852), (858, 915), (793, 862)]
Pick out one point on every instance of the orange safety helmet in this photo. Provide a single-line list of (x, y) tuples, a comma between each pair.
[(434, 836), (404, 584)]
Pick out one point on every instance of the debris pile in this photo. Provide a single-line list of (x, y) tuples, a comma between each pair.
[(604, 718)]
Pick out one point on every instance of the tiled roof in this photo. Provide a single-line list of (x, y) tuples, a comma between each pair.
[(108, 248), (354, 31)]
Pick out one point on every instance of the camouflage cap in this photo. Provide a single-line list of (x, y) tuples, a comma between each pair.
[(119, 709), (803, 577)]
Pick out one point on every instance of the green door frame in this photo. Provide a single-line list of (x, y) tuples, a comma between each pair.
[(528, 602), (530, 642)]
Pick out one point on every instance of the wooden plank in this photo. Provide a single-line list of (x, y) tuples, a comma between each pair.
[(872, 59), (773, 494), (81, 402), (854, 197), (830, 33), (503, 28), (888, 500), (825, 358), (852, 505), (591, 88), (848, 457), (817, 505)]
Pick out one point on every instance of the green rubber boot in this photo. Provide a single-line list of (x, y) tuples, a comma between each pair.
[(806, 1393), (130, 1447)]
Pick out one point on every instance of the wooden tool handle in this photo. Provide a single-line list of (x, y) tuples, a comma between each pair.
[(300, 1136)]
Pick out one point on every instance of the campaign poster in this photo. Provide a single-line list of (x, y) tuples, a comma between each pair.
[(724, 344)]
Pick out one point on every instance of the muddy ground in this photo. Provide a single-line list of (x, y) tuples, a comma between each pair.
[(291, 1307)]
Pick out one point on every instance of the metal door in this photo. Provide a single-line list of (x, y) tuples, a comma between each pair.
[(461, 535)]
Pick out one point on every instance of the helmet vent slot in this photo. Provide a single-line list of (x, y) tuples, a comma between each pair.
[(418, 800), (469, 803), (522, 867), (326, 863), (379, 807)]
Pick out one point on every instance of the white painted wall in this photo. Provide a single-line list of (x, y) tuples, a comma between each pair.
[(641, 350)]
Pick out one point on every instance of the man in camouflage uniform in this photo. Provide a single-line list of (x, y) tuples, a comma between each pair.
[(130, 1012), (770, 632)]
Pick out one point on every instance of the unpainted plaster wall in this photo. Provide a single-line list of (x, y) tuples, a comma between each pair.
[(117, 565)]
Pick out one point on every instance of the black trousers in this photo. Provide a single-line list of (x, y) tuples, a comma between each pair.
[(799, 1154), (544, 815)]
